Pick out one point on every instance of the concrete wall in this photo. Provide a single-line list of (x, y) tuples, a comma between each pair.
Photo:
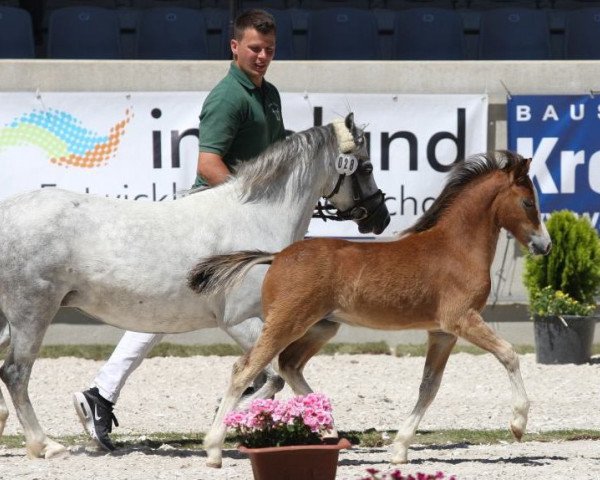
[(496, 78)]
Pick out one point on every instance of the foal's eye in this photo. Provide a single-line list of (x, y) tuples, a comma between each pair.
[(528, 203)]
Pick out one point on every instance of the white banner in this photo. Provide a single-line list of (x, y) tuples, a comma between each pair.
[(144, 146)]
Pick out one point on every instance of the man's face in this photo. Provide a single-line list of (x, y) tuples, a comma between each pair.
[(253, 53)]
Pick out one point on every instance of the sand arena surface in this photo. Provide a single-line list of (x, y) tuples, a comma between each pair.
[(367, 391)]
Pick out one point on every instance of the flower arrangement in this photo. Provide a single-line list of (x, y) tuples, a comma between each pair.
[(375, 474), (301, 420), (548, 301)]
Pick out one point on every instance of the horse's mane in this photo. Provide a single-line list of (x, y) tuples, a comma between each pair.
[(260, 176), (463, 173)]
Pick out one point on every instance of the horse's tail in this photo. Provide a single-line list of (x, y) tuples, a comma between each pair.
[(219, 273)]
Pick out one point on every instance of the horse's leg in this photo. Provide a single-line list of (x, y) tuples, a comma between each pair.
[(4, 341), (274, 338), (26, 334), (439, 346), (293, 359), (474, 329)]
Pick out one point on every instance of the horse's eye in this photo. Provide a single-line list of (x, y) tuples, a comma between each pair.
[(528, 203)]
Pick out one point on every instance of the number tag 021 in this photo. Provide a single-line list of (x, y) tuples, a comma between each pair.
[(346, 164)]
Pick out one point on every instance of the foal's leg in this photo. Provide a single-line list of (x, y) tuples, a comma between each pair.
[(293, 359), (474, 329), (439, 346), (26, 334), (274, 338), (267, 383)]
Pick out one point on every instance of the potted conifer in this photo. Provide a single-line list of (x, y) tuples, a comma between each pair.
[(562, 287)]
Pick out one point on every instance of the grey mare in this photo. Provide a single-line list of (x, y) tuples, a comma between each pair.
[(126, 262)]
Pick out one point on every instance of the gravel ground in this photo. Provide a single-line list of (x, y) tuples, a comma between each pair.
[(367, 391)]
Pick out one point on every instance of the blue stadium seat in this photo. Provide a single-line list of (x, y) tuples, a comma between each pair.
[(428, 34), (318, 4), (514, 34), (16, 33), (285, 34), (172, 33), (342, 34), (272, 4), (84, 32), (582, 34), (410, 4)]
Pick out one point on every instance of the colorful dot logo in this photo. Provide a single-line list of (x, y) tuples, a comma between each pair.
[(64, 138)]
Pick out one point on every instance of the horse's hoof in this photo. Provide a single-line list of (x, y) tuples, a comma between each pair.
[(56, 452)]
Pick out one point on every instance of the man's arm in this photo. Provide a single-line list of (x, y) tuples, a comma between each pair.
[(212, 168)]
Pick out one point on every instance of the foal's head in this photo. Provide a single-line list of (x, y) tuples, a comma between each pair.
[(355, 194), (518, 209)]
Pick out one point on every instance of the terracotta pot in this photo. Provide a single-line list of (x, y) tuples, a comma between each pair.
[(296, 462)]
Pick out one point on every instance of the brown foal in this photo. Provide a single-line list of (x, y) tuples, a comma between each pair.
[(436, 277)]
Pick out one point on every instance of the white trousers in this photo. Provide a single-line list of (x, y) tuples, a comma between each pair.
[(127, 356)]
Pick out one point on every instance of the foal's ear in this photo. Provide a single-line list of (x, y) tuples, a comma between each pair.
[(521, 171)]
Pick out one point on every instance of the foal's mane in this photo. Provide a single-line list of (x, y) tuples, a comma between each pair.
[(463, 173), (260, 176)]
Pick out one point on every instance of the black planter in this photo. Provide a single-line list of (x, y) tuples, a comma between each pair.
[(563, 342)]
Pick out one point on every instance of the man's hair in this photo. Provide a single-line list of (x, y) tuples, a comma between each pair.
[(263, 22)]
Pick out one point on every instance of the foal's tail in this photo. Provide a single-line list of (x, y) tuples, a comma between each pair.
[(219, 273)]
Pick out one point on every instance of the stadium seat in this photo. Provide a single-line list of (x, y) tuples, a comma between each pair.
[(410, 4), (172, 33), (84, 32), (285, 34), (342, 34), (582, 34), (514, 34), (318, 4), (16, 33), (428, 34), (272, 4)]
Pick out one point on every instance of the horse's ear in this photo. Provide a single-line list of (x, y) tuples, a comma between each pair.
[(349, 122), (351, 126)]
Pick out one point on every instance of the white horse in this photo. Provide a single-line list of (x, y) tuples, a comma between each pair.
[(125, 263)]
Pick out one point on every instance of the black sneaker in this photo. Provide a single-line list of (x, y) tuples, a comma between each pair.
[(96, 416)]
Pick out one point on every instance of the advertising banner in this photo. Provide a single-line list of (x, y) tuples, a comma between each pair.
[(143, 146), (560, 134)]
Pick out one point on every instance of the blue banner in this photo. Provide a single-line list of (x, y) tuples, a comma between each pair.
[(561, 133)]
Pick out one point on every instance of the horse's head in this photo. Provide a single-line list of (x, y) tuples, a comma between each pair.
[(519, 210), (356, 195)]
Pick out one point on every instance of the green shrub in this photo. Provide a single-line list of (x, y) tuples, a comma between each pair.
[(572, 268)]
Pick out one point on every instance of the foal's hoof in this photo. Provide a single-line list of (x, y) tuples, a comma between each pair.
[(400, 455), (214, 463), (517, 426), (399, 460), (517, 432)]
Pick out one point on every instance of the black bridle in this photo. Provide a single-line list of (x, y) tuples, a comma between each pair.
[(359, 210)]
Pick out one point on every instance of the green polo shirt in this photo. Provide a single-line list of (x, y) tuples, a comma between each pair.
[(238, 119)]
